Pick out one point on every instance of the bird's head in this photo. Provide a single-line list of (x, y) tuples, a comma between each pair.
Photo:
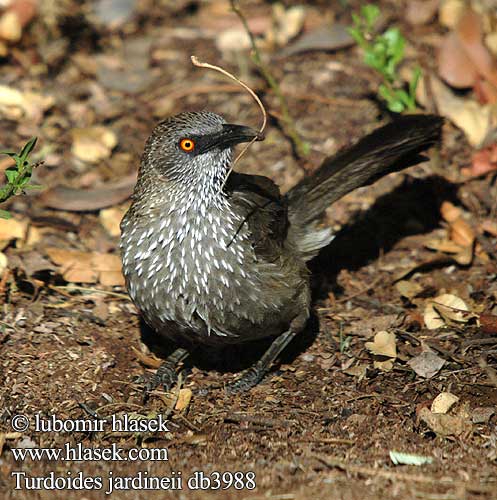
[(192, 148)]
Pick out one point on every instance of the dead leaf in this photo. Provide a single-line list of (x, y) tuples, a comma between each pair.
[(408, 289), (442, 308), (482, 162), (3, 263), (462, 233), (450, 12), (489, 226), (332, 37), (444, 402), (12, 229), (93, 144), (445, 425), (454, 64), (384, 344), (384, 366), (15, 104), (358, 371), (82, 200), (87, 267), (184, 399), (111, 218), (478, 122), (287, 24), (450, 212), (233, 39), (421, 12), (488, 323), (427, 364), (482, 415), (470, 32), (445, 246), (151, 360), (463, 59)]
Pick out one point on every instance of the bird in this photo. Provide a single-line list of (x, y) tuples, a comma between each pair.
[(213, 257)]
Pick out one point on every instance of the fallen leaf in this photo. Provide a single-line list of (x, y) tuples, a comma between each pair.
[(489, 226), (288, 23), (399, 458), (461, 233), (445, 308), (450, 212), (488, 323), (10, 27), (454, 64), (450, 12), (408, 289), (383, 345), (470, 32), (384, 366), (15, 104), (482, 415), (83, 200), (463, 59), (427, 364), (332, 37), (491, 42), (443, 402), (358, 371), (111, 218), (12, 229), (93, 144), (445, 425), (445, 246), (482, 162), (184, 399), (421, 12), (87, 267), (151, 360), (3, 263), (233, 39), (478, 122)]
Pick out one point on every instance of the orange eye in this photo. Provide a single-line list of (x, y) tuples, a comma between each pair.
[(187, 145)]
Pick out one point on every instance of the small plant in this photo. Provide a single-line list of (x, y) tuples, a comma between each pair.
[(344, 341), (383, 53), (18, 175)]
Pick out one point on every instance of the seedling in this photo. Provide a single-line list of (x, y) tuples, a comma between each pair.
[(383, 53), (18, 176)]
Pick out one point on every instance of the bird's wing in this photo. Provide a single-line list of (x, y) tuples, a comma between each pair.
[(265, 212)]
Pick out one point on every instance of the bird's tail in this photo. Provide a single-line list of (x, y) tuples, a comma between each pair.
[(390, 148)]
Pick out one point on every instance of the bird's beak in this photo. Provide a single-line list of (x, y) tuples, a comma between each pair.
[(230, 135)]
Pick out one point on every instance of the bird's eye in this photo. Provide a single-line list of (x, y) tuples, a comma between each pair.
[(187, 145)]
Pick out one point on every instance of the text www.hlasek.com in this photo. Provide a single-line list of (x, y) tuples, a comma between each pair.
[(78, 453)]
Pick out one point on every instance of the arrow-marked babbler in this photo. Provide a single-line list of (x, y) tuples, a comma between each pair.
[(212, 261)]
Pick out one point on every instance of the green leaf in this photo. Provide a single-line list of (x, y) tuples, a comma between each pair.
[(5, 215), (9, 153), (370, 13), (28, 147), (12, 175), (396, 106), (33, 187), (413, 84), (356, 35)]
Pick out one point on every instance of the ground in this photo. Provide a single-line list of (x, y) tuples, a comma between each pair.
[(323, 422)]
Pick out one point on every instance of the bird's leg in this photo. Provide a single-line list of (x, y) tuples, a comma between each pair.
[(166, 374), (251, 377)]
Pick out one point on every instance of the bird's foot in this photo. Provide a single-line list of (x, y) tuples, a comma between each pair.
[(250, 378), (165, 376)]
